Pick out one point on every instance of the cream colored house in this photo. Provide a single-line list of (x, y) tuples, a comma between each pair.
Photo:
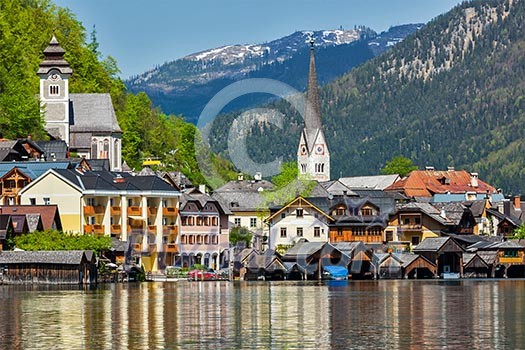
[(142, 210)]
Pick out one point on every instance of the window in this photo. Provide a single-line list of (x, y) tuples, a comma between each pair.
[(359, 231), (339, 232), (299, 232), (415, 240), (303, 168), (164, 221), (183, 239), (510, 253), (340, 211), (237, 221), (418, 221), (215, 221), (206, 239), (32, 201), (199, 239), (253, 222), (191, 240), (299, 212), (367, 211), (283, 232), (47, 201), (389, 236), (406, 221), (283, 215), (54, 90), (317, 231)]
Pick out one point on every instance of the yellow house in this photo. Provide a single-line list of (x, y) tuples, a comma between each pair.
[(414, 222), (142, 210)]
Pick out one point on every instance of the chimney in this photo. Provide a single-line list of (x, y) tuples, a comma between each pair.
[(429, 168), (474, 179), (258, 176), (240, 177), (443, 214), (501, 207), (202, 188), (450, 168), (517, 202)]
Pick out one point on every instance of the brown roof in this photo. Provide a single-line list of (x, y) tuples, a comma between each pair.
[(48, 213), (426, 183)]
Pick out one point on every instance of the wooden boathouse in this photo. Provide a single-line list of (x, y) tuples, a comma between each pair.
[(48, 267)]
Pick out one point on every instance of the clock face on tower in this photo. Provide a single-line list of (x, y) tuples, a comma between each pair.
[(54, 77), (319, 149), (303, 150)]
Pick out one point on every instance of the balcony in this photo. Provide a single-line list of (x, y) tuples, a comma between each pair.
[(510, 260), (170, 229), (170, 248), (7, 190), (152, 247), (116, 229), (136, 247), (152, 229), (95, 229), (115, 210), (152, 211), (413, 227), (170, 211), (90, 210), (135, 211)]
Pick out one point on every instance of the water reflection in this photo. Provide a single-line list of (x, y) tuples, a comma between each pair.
[(261, 315)]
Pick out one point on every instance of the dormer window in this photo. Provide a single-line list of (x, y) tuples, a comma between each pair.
[(299, 212), (54, 90)]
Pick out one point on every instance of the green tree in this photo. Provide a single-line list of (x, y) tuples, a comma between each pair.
[(519, 232), (398, 165), (240, 234), (288, 184)]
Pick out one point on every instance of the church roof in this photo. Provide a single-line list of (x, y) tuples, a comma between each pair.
[(92, 113), (54, 59), (312, 114)]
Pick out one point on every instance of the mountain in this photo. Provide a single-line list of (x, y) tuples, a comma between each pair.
[(184, 86), (451, 94)]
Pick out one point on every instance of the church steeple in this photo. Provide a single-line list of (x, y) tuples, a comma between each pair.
[(54, 72), (313, 157)]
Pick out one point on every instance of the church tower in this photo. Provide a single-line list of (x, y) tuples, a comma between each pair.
[(313, 157), (54, 73)]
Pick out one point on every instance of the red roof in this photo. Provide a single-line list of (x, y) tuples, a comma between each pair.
[(48, 213), (426, 183)]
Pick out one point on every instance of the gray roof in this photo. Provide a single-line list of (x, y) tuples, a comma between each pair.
[(202, 199), (245, 195), (67, 257), (377, 182), (336, 188), (489, 257), (92, 113), (54, 149), (431, 244), (303, 249), (426, 208)]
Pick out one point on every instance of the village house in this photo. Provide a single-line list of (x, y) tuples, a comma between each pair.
[(204, 232), (245, 199), (142, 210), (20, 150)]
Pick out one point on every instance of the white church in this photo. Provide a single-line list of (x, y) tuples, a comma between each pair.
[(86, 122)]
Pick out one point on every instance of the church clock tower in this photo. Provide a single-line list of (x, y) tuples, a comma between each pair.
[(54, 73), (313, 157)]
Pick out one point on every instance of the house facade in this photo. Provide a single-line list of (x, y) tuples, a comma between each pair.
[(204, 233), (142, 210)]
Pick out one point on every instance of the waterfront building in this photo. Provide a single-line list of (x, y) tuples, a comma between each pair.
[(245, 200), (86, 122), (142, 210), (204, 230)]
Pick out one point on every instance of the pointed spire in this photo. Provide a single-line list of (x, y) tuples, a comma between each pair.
[(54, 58), (313, 110)]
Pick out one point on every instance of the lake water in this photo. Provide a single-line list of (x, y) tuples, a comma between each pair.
[(467, 314)]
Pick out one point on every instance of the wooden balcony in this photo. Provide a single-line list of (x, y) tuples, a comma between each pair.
[(152, 229), (115, 210), (152, 247), (170, 211), (136, 247), (8, 190), (152, 211), (511, 260), (136, 211), (94, 229), (414, 227), (170, 248), (116, 229), (90, 210), (170, 229)]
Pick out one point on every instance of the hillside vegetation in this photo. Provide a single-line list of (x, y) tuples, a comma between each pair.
[(26, 27), (452, 94)]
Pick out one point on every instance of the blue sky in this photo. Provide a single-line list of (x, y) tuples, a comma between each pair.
[(140, 34)]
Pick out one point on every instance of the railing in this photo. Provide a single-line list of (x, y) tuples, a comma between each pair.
[(170, 248), (116, 229), (135, 211), (152, 229), (7, 190), (94, 210), (170, 211), (115, 210), (95, 229), (152, 211), (170, 229), (410, 227), (511, 260)]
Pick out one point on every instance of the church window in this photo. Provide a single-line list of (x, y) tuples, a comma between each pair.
[(93, 148), (54, 90), (115, 155), (303, 168), (105, 152), (321, 167)]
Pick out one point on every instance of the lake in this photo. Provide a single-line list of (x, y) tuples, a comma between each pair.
[(397, 314)]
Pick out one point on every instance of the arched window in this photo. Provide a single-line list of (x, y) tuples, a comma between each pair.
[(54, 90)]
